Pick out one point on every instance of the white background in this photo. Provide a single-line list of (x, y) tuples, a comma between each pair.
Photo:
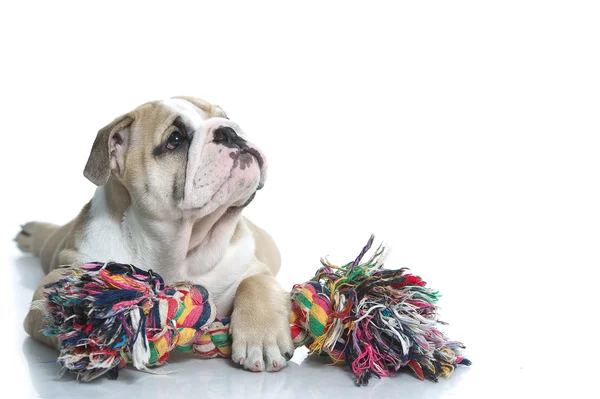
[(464, 134)]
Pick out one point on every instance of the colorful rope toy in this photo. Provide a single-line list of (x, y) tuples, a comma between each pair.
[(377, 321)]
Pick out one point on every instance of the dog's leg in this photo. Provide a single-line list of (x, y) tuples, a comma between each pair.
[(260, 324), (34, 321)]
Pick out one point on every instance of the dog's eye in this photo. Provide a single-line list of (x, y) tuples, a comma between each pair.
[(175, 140)]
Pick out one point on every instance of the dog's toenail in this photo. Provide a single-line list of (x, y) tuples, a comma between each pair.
[(241, 361)]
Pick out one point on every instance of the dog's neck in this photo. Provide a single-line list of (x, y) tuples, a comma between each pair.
[(185, 247)]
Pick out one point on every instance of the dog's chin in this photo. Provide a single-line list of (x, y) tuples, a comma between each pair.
[(240, 203), (245, 204), (235, 203)]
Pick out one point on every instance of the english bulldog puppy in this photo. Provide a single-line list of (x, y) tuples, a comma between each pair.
[(173, 179)]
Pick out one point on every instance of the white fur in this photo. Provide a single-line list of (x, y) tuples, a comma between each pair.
[(103, 239), (218, 265), (194, 115), (227, 274)]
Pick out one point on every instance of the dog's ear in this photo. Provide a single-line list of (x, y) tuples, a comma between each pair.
[(108, 150)]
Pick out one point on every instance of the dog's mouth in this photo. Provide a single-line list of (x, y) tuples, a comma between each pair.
[(228, 171), (253, 153), (242, 158), (261, 163)]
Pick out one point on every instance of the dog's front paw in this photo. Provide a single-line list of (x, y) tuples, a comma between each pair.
[(261, 346), (260, 325)]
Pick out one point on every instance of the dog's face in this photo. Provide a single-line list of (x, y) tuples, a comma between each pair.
[(178, 156)]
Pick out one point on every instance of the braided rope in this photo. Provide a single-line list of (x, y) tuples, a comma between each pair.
[(375, 320)]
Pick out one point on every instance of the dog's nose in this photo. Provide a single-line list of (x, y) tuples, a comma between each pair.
[(226, 135)]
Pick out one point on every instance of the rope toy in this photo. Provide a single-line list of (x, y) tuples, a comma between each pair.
[(377, 321)]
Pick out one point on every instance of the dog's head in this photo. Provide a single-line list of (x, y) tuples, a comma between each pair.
[(180, 155)]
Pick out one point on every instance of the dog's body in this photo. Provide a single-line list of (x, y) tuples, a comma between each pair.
[(173, 178)]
